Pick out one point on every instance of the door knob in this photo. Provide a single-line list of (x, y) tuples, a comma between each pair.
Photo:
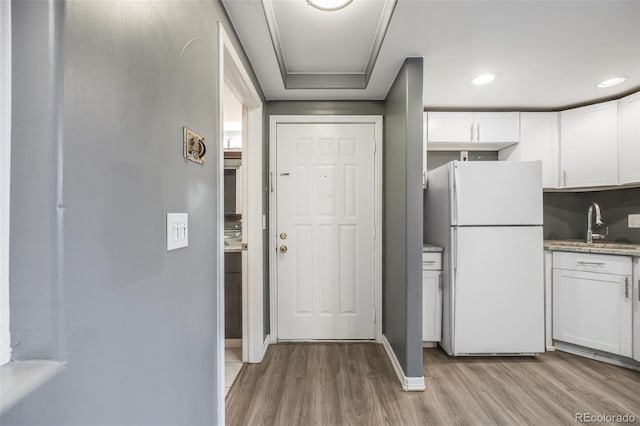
[(283, 249)]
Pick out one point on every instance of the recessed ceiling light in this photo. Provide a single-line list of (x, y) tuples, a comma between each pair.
[(611, 82), (329, 5), (483, 79)]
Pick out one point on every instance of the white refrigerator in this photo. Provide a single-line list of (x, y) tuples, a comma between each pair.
[(488, 217)]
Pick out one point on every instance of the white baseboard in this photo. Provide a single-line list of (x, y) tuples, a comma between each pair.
[(551, 348), (267, 342), (429, 344), (409, 384), (597, 355)]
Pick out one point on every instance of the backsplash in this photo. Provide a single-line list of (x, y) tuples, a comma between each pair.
[(565, 214), (436, 159)]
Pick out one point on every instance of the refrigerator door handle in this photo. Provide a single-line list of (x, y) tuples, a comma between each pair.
[(456, 196)]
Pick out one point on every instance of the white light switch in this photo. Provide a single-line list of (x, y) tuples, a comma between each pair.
[(634, 221), (177, 230)]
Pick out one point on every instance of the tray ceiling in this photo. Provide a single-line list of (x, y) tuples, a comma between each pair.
[(545, 54)]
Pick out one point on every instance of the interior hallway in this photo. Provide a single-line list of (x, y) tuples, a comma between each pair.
[(336, 384)]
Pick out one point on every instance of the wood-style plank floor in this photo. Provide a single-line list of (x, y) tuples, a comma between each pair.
[(354, 384)]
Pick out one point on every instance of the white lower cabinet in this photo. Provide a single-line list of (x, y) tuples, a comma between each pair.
[(431, 297), (592, 307), (636, 309)]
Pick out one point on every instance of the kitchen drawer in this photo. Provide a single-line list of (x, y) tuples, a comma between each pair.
[(588, 262), (431, 261)]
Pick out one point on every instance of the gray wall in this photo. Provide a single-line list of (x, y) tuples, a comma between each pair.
[(565, 214), (436, 159), (93, 174), (302, 108), (402, 217)]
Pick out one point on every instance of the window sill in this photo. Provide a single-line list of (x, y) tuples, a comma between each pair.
[(19, 378)]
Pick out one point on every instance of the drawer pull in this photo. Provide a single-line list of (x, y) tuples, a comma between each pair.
[(582, 262), (430, 262)]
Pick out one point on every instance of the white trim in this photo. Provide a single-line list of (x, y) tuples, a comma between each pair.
[(597, 355), (409, 384), (20, 378), (5, 175), (232, 72), (376, 120)]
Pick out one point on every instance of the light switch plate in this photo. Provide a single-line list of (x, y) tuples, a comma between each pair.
[(177, 230), (634, 221)]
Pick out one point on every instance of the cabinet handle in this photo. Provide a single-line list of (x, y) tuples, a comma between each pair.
[(440, 282), (564, 178), (638, 290), (429, 262), (583, 263), (477, 133), (471, 132), (626, 287)]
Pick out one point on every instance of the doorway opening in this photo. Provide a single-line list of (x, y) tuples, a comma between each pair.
[(241, 220)]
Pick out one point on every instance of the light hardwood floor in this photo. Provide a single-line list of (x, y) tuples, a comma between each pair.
[(353, 383)]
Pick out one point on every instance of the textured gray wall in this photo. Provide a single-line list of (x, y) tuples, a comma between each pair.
[(91, 280), (565, 214), (36, 108), (303, 108), (402, 217)]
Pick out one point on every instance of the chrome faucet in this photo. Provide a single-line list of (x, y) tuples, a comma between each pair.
[(590, 235)]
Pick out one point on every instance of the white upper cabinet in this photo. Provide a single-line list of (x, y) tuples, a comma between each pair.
[(629, 139), (589, 146), (539, 141), (497, 126), (463, 130), (450, 127)]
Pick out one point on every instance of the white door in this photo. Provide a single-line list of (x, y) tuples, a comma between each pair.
[(593, 310), (589, 145), (498, 290), (497, 126), (325, 219)]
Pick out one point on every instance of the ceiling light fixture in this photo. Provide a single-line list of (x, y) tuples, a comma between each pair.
[(483, 79), (611, 82), (329, 5)]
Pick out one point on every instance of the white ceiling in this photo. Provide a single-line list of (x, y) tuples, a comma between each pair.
[(546, 54)]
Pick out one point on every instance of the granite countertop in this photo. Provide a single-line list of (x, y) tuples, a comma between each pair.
[(600, 247), (430, 248)]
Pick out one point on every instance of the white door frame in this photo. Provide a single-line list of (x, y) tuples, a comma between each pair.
[(231, 71), (274, 120)]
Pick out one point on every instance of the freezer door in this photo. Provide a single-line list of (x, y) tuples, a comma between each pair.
[(498, 290), (497, 193)]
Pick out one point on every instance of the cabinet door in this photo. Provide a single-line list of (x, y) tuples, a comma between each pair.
[(432, 306), (449, 126), (497, 126), (629, 139), (593, 310), (539, 141), (589, 145)]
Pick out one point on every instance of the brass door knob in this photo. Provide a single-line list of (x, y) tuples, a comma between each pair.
[(283, 249)]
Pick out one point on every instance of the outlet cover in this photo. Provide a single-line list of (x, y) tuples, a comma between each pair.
[(634, 221), (177, 230)]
